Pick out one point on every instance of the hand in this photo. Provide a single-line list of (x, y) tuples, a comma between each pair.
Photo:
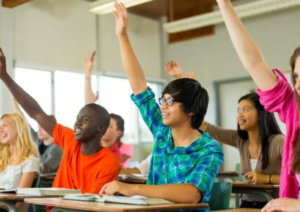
[(121, 17), (282, 205), (89, 64), (3, 71), (257, 177), (173, 69), (116, 186), (223, 1)]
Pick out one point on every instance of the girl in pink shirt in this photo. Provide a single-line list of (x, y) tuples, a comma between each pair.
[(277, 96)]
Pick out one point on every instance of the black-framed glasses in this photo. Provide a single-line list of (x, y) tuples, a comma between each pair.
[(168, 101)]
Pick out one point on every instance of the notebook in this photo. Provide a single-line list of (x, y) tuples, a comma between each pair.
[(135, 200), (42, 191)]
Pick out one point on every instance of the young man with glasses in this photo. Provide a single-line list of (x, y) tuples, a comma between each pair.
[(184, 161)]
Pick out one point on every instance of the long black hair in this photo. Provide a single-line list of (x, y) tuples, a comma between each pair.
[(268, 127)]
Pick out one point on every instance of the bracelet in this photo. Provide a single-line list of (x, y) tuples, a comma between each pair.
[(270, 178)]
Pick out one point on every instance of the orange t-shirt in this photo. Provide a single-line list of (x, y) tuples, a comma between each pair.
[(78, 171)]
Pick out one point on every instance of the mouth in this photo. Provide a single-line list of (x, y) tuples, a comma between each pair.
[(77, 131), (3, 136), (164, 115), (241, 121)]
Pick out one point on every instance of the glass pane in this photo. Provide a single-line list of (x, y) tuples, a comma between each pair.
[(145, 134), (39, 89), (69, 96), (115, 97)]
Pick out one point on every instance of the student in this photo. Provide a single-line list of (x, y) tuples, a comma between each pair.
[(276, 95), (50, 154), (19, 163), (142, 168), (184, 161), (85, 164), (258, 139), (112, 137)]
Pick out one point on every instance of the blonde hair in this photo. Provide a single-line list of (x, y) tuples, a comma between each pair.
[(25, 143)]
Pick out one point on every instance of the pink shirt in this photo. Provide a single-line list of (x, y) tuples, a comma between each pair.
[(115, 149), (281, 99), (126, 149)]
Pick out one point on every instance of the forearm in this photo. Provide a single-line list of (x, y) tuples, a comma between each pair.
[(246, 48), (275, 179), (24, 99), (132, 67), (89, 96), (188, 192)]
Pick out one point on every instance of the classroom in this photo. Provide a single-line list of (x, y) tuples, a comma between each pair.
[(149, 105)]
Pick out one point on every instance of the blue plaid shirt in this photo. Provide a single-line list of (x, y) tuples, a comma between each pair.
[(197, 164)]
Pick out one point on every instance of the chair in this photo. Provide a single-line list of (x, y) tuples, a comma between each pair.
[(220, 196), (36, 182)]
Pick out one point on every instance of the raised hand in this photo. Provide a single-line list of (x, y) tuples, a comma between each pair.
[(173, 69), (89, 64), (121, 17), (3, 71)]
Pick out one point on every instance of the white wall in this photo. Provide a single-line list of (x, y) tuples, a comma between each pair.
[(61, 33), (214, 58)]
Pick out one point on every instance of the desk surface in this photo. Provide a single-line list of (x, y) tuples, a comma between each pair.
[(240, 210), (246, 185), (17, 197), (96, 206), (50, 176)]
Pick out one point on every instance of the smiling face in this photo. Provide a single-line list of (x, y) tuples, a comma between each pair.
[(247, 116), (87, 125), (111, 135), (8, 131), (173, 115)]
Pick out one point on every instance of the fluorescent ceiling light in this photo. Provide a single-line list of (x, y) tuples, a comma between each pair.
[(243, 11), (107, 6)]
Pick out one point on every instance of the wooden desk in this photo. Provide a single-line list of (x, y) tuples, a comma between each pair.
[(261, 189), (133, 181), (240, 210), (69, 205), (10, 200)]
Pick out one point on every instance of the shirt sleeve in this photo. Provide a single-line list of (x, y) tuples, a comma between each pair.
[(51, 164), (31, 165), (204, 174), (226, 136), (280, 99), (145, 165), (149, 109), (63, 136)]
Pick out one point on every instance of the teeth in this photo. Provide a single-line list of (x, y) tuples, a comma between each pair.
[(77, 130)]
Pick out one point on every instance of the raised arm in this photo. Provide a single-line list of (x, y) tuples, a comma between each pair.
[(248, 52), (31, 107), (89, 96), (131, 65), (173, 69)]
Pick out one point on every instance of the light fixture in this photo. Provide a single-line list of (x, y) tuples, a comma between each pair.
[(243, 11), (107, 6)]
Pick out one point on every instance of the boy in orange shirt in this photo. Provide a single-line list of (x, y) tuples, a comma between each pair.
[(85, 164)]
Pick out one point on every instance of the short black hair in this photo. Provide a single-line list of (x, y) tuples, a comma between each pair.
[(102, 114), (268, 126), (192, 95)]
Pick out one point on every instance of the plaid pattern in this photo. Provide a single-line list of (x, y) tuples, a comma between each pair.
[(196, 164)]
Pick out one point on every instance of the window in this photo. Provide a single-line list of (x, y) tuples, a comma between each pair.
[(65, 97), (39, 89)]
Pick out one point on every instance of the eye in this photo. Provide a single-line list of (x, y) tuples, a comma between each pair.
[(246, 109), (295, 77), (85, 119)]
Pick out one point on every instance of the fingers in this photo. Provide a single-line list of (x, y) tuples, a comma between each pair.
[(115, 14), (96, 96), (102, 191)]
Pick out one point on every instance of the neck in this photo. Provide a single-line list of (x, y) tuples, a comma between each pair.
[(254, 138), (184, 135), (13, 150), (119, 143), (48, 141), (91, 147)]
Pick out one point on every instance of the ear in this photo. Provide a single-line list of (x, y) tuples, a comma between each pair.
[(101, 128), (190, 114), (119, 133)]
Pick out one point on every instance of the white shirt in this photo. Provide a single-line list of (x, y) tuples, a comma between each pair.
[(10, 177), (253, 164), (145, 165)]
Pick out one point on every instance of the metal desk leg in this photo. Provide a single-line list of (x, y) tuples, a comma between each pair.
[(237, 200), (11, 205)]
